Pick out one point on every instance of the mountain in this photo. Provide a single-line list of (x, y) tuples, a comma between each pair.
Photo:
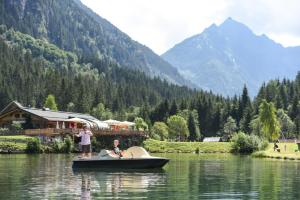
[(223, 58), (73, 27), (30, 69)]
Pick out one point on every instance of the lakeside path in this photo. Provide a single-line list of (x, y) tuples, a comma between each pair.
[(287, 151)]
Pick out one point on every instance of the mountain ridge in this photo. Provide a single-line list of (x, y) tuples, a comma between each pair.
[(223, 58)]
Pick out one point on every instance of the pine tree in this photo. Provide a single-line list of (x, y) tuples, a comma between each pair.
[(245, 99), (245, 121), (194, 133), (173, 109)]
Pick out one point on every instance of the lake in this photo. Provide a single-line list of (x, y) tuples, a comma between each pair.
[(187, 176)]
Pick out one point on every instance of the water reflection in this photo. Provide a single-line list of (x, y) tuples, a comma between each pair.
[(85, 187), (119, 184), (187, 176)]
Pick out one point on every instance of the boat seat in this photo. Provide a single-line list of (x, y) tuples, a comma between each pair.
[(107, 154), (136, 152)]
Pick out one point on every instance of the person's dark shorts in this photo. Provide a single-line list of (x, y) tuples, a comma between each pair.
[(86, 148)]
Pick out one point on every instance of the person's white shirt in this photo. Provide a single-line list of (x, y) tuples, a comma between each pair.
[(85, 137)]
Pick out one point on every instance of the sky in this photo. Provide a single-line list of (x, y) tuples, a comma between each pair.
[(160, 24)]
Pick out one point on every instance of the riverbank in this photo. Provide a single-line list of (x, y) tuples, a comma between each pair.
[(288, 151), (155, 146)]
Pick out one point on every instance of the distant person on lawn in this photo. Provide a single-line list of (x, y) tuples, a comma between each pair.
[(85, 135)]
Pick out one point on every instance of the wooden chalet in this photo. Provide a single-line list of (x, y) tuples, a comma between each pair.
[(43, 118), (45, 122)]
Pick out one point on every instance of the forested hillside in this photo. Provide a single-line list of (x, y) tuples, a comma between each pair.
[(31, 69), (73, 27)]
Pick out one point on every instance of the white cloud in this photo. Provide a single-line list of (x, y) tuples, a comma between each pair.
[(160, 24)]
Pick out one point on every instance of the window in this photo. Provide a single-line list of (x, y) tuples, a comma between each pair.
[(17, 115)]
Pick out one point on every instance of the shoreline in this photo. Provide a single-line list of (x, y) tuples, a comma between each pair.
[(288, 151), (155, 146)]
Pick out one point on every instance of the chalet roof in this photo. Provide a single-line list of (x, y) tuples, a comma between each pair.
[(46, 114), (212, 139)]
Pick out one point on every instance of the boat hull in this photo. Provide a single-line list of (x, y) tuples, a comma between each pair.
[(136, 163)]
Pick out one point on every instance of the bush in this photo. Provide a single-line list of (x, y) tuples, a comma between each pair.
[(57, 146), (34, 146), (242, 143), (68, 145), (155, 137), (12, 146), (259, 154), (16, 126), (96, 145)]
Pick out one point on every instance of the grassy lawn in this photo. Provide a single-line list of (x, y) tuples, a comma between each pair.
[(12, 146), (15, 138), (285, 153), (13, 143), (155, 146)]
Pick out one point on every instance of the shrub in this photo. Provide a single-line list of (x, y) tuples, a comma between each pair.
[(96, 145), (16, 126), (242, 143), (57, 146), (155, 137), (12, 146), (34, 146), (259, 154), (68, 145)]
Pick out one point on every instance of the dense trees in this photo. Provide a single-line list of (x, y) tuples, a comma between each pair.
[(32, 69)]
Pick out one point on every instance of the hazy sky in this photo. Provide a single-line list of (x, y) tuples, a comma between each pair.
[(160, 24)]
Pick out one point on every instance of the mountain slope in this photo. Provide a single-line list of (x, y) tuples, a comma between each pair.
[(224, 58), (73, 27), (30, 69)]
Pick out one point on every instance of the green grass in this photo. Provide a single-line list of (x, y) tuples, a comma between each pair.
[(15, 138), (16, 143), (12, 146), (156, 146), (290, 152)]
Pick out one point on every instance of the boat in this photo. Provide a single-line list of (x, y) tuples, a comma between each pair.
[(133, 158)]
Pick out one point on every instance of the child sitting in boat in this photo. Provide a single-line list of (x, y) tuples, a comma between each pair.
[(116, 149)]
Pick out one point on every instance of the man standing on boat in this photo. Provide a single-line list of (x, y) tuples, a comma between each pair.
[(85, 135)]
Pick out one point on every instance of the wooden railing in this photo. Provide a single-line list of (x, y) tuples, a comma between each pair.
[(12, 132), (54, 131)]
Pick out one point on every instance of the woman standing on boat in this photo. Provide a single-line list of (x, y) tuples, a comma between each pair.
[(85, 135)]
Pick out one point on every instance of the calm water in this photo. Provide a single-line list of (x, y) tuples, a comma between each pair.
[(187, 176)]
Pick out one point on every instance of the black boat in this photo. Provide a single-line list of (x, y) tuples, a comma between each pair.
[(134, 158)]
